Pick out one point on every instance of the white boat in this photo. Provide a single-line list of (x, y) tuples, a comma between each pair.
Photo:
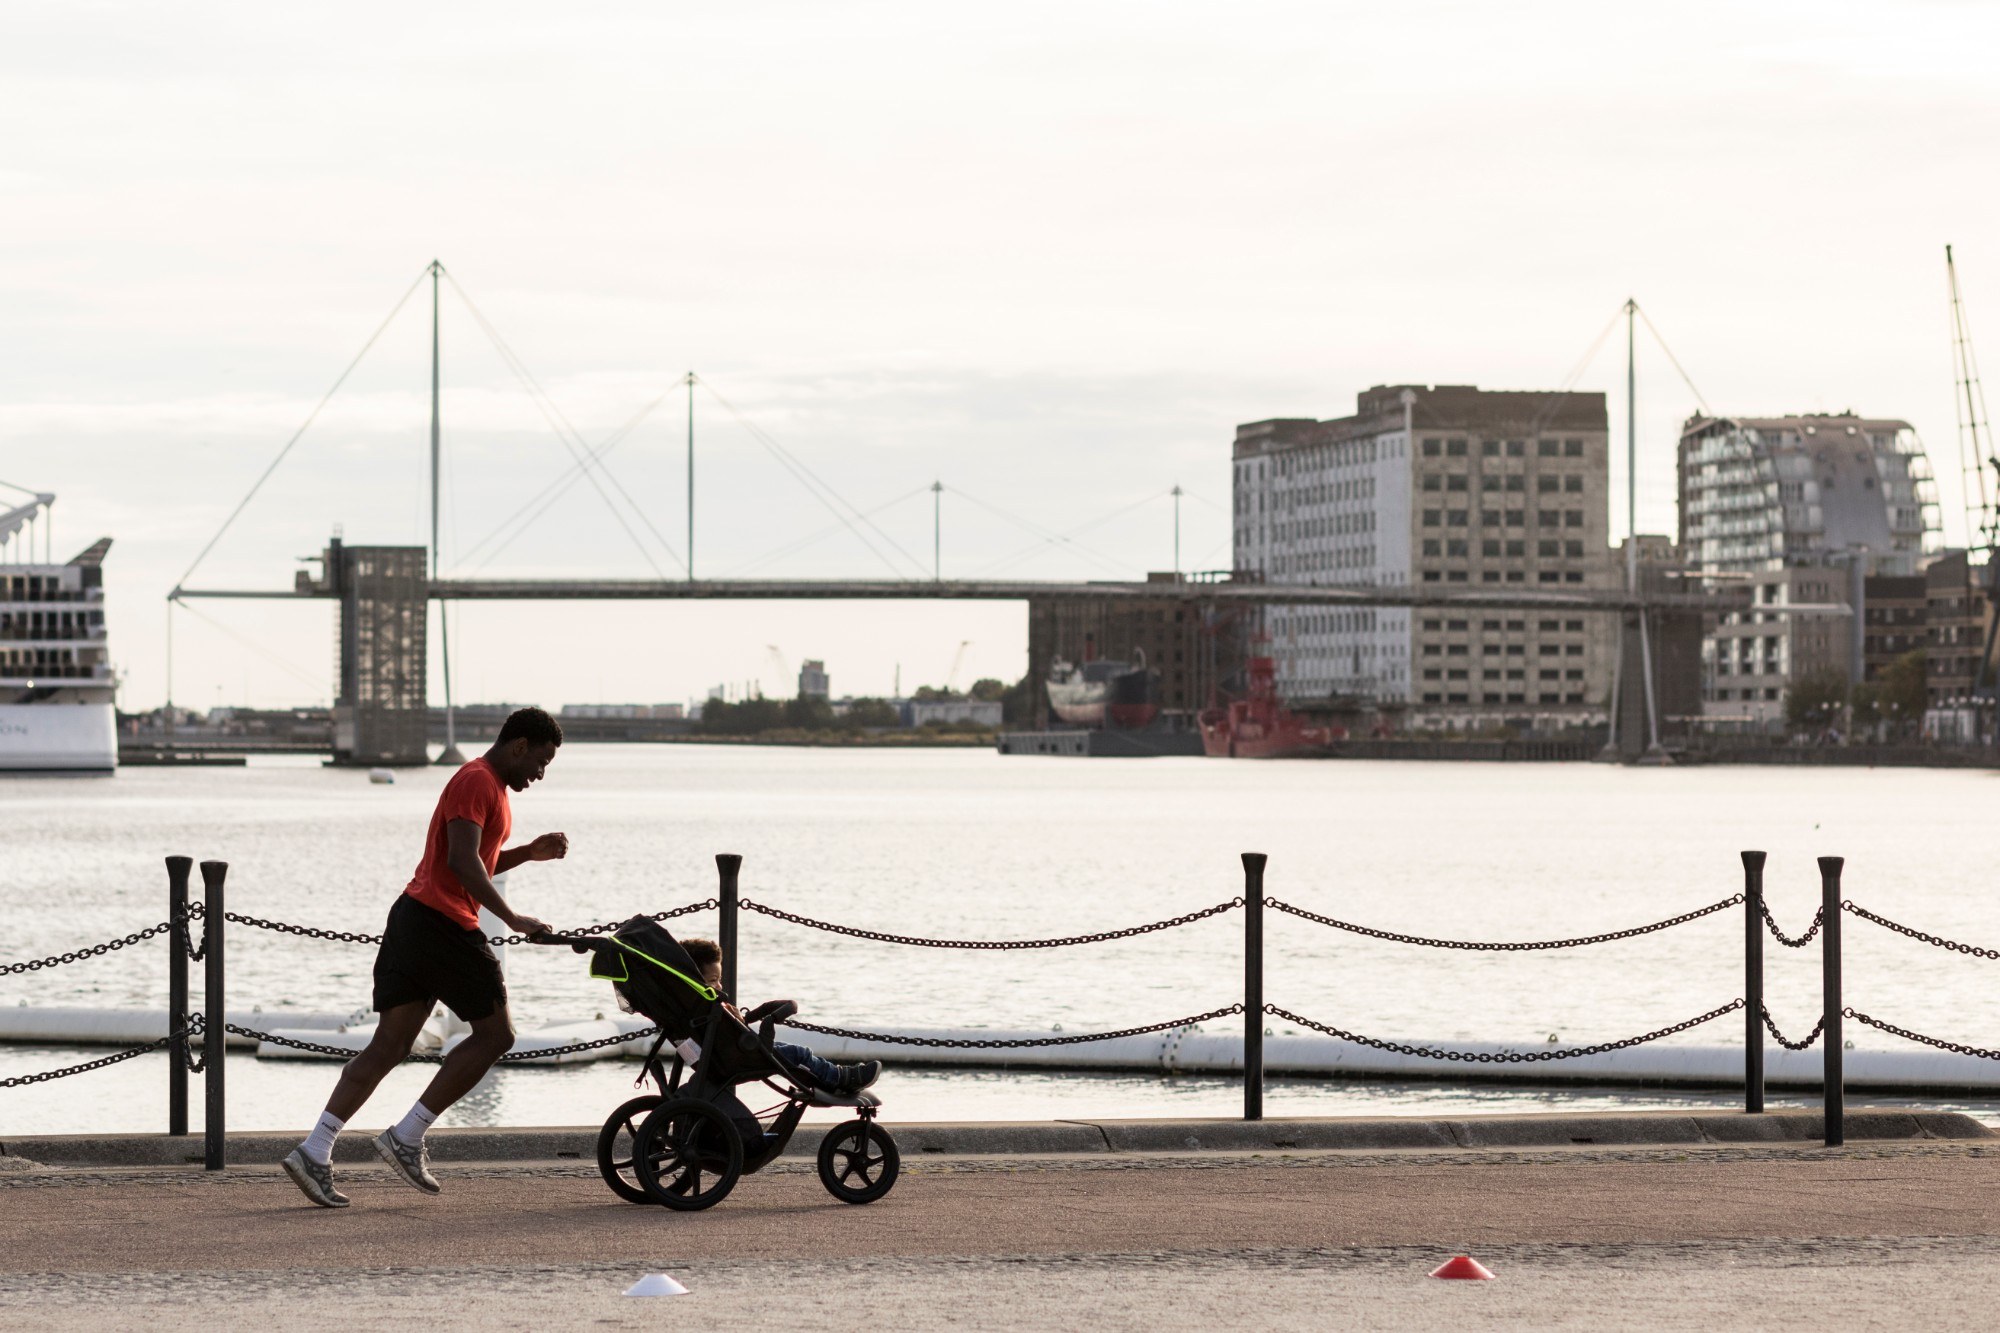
[(56, 683)]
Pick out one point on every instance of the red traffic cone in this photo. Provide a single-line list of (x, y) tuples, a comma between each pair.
[(1462, 1266)]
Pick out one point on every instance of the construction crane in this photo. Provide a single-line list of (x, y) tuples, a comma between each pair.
[(1975, 455), (951, 677)]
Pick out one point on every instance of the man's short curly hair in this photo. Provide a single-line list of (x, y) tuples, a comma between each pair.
[(532, 725)]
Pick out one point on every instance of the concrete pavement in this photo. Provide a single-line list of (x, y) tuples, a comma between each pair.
[(1702, 1235)]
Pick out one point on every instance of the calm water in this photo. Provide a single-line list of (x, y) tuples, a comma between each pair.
[(970, 844)]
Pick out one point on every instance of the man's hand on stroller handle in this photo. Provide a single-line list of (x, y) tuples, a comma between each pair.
[(531, 926)]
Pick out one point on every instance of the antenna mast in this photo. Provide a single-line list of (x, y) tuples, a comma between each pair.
[(449, 756)]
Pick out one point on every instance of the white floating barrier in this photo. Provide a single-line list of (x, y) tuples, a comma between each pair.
[(72, 1026), (1184, 1051), (1177, 1051)]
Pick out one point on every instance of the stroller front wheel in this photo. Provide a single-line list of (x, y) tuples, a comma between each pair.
[(858, 1162), (687, 1154), (616, 1157)]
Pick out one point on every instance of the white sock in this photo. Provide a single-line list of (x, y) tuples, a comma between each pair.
[(410, 1129), (318, 1146)]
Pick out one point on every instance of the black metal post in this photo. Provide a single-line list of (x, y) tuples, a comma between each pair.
[(178, 869), (1832, 1044), (1253, 985), (1753, 982), (215, 1027), (728, 865)]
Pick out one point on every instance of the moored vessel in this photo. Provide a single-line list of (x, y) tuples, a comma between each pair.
[(56, 683), (1259, 726), (1104, 692)]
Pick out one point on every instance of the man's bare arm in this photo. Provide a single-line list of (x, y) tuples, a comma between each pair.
[(462, 855), (548, 847)]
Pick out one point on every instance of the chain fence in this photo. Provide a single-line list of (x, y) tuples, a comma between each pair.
[(920, 941), (1012, 1043), (1790, 941), (94, 951), (193, 1025), (359, 937), (1972, 950), (1504, 946), (1956, 1048), (435, 1057), (1771, 1026), (117, 1057), (1503, 1057)]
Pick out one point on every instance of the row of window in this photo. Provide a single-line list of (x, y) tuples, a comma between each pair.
[(1458, 481), (1547, 697), (1459, 547), (1496, 518), (1450, 448), (1509, 626), (1494, 576), (1516, 674), (1507, 650)]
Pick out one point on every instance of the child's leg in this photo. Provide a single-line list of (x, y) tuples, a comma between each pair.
[(824, 1072)]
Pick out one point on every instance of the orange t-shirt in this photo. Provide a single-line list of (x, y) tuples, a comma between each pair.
[(476, 793)]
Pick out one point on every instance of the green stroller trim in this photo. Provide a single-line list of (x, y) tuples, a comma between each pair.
[(705, 991)]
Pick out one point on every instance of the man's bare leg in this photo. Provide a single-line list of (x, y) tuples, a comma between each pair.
[(491, 1038), (389, 1047)]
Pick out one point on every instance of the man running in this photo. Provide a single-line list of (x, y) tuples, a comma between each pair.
[(432, 949)]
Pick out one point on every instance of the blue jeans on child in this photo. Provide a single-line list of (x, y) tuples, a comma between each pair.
[(824, 1072)]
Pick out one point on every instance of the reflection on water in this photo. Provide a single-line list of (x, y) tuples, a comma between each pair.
[(970, 844)]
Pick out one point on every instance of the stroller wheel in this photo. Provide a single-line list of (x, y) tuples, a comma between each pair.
[(858, 1162), (687, 1154), (615, 1155)]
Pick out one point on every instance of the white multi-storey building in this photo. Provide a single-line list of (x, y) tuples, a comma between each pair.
[(1449, 485), (1801, 509)]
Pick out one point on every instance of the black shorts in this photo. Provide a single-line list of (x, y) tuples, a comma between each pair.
[(426, 956)]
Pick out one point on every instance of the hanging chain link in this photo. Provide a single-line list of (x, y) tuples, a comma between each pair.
[(1819, 919), (1771, 1026), (1957, 1048), (749, 906), (1938, 940), (1017, 1043), (348, 1053), (357, 937), (129, 1053), (1503, 1057), (94, 951), (1507, 946)]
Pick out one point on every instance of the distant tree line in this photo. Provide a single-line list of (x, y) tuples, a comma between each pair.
[(1892, 705)]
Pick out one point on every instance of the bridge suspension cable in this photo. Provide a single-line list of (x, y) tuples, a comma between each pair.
[(833, 501), (803, 542), (543, 499), (571, 438), (299, 434), (1066, 540)]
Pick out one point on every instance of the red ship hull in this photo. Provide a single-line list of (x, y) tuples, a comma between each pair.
[(1259, 727)]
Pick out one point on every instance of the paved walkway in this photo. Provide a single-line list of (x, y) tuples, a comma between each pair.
[(1881, 1234)]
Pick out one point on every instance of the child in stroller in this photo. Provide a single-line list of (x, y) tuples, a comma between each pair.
[(686, 1147), (843, 1079)]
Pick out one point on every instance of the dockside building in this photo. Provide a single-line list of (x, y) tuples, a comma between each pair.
[(1448, 486), (1805, 509)]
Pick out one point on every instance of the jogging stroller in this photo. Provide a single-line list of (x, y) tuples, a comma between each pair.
[(687, 1147)]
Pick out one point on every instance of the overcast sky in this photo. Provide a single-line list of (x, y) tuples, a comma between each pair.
[(1050, 254)]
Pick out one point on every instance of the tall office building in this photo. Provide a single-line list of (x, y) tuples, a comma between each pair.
[(1451, 487), (1801, 510)]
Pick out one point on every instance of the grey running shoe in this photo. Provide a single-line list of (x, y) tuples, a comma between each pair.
[(314, 1181), (412, 1164)]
